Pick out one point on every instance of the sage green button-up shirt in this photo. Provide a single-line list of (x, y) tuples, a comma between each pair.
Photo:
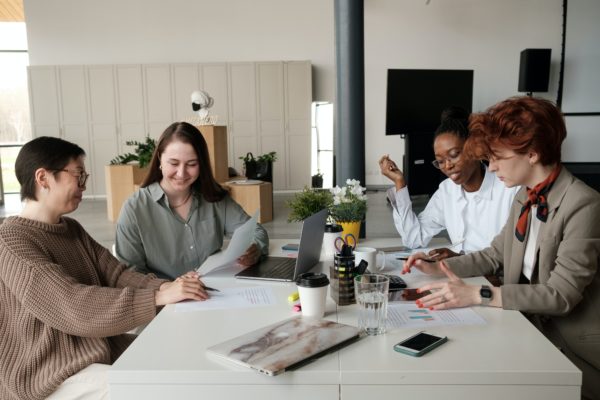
[(153, 238)]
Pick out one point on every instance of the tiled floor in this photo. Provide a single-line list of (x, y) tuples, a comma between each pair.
[(92, 215)]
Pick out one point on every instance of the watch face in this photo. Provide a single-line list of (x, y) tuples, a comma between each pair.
[(486, 292)]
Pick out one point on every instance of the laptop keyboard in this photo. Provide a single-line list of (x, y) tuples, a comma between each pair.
[(284, 269)]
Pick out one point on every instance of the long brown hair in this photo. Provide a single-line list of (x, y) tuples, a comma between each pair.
[(187, 133)]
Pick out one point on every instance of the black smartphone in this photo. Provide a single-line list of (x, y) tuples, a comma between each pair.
[(406, 294), (419, 344)]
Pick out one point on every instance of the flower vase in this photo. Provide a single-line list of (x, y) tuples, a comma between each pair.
[(352, 227)]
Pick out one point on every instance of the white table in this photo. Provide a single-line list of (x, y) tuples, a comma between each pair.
[(506, 358)]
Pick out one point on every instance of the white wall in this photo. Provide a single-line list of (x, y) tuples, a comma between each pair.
[(484, 35)]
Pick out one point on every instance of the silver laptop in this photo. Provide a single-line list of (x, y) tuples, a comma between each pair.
[(285, 268), (286, 345)]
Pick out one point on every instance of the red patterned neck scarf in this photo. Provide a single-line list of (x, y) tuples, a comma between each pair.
[(538, 195)]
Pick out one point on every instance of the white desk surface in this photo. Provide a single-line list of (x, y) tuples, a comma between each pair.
[(505, 358)]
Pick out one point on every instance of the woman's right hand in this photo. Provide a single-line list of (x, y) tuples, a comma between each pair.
[(423, 263), (186, 287), (391, 171)]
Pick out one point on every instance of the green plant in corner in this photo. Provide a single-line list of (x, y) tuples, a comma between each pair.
[(308, 202), (142, 153)]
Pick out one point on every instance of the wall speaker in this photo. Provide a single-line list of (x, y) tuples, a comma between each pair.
[(534, 71)]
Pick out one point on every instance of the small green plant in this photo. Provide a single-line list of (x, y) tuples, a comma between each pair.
[(308, 202), (142, 153)]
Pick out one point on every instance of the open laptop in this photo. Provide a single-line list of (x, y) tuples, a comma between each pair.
[(285, 268), (286, 345)]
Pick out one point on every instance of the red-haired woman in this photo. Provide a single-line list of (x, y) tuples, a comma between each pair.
[(549, 248)]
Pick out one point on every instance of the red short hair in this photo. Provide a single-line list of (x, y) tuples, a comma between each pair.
[(521, 124)]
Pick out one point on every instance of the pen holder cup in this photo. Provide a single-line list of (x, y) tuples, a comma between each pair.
[(341, 275)]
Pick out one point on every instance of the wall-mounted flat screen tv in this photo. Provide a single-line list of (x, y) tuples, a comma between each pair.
[(417, 97)]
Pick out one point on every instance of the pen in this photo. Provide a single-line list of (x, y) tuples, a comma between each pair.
[(210, 289)]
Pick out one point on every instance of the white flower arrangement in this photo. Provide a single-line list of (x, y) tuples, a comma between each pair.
[(349, 202)]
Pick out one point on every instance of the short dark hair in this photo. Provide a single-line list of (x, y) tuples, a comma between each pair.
[(455, 120), (187, 133), (522, 124), (47, 152)]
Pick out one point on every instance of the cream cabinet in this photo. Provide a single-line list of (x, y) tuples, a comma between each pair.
[(264, 105)]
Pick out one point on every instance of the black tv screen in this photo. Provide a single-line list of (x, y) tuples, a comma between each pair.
[(417, 97)]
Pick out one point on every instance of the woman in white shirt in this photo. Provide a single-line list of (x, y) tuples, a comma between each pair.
[(472, 205)]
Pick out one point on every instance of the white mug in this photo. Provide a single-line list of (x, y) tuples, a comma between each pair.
[(369, 254)]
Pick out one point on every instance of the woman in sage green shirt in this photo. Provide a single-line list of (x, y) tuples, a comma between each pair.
[(180, 215)]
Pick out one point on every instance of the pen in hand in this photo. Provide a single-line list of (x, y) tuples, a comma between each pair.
[(210, 289)]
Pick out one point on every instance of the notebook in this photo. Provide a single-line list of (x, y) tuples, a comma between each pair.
[(286, 345), (285, 268)]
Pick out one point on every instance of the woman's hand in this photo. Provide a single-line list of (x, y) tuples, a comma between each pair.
[(251, 256), (423, 263), (391, 171), (451, 294), (187, 287), (441, 254)]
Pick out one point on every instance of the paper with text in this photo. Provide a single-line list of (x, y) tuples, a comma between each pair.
[(239, 243), (408, 315), (239, 297)]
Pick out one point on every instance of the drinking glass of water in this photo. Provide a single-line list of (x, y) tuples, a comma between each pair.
[(371, 293)]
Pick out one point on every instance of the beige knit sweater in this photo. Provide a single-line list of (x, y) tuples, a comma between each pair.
[(65, 303)]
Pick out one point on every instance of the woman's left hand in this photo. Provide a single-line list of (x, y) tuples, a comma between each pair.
[(251, 256), (454, 293)]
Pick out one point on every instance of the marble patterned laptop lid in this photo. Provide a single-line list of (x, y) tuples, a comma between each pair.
[(286, 345)]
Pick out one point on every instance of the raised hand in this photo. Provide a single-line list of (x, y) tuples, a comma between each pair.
[(389, 169)]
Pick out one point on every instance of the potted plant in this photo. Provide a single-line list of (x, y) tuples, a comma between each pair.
[(317, 180), (142, 153), (308, 202), (260, 167), (125, 174), (349, 206)]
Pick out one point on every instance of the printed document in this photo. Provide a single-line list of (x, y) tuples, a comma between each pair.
[(239, 243), (408, 315), (236, 297)]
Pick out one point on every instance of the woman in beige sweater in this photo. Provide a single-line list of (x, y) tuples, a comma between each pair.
[(66, 301)]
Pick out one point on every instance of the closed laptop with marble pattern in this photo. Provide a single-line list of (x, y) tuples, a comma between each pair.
[(286, 345)]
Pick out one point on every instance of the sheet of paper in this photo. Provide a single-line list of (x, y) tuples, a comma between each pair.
[(408, 315), (242, 297), (239, 243)]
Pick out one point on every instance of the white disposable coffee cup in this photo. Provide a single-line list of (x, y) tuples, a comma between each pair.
[(312, 288), (332, 232), (369, 254)]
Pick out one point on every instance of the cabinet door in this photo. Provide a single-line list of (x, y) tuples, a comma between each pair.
[(242, 115), (43, 101), (185, 80), (73, 96), (157, 82), (271, 132), (213, 79), (130, 105), (298, 80), (103, 132)]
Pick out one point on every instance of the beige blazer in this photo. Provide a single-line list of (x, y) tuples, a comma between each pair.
[(565, 284)]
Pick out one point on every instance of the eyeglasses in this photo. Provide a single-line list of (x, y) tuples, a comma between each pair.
[(81, 176), (452, 157)]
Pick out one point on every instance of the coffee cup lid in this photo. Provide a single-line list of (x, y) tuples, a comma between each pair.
[(311, 279), (334, 228)]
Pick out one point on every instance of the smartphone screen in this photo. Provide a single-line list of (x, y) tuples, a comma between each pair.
[(406, 295), (420, 341)]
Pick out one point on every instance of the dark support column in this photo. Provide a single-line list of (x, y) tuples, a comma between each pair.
[(350, 91), (349, 105)]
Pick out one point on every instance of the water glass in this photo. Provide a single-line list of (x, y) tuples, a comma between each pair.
[(371, 293)]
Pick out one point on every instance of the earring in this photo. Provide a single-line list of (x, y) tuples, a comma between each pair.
[(160, 167)]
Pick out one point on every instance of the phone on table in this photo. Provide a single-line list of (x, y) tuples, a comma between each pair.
[(290, 247), (419, 344)]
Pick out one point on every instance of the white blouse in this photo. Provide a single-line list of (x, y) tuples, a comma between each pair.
[(471, 219)]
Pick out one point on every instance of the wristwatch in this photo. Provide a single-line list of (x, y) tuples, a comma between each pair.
[(486, 294)]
